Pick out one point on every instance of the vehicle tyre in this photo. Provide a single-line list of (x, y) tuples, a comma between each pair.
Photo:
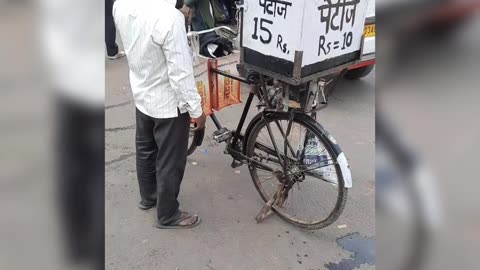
[(359, 73)]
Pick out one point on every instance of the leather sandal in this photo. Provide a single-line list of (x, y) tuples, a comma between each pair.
[(177, 224)]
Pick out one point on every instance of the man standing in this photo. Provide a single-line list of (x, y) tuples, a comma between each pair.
[(163, 86)]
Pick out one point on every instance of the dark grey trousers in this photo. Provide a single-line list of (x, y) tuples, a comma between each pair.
[(161, 146), (110, 30)]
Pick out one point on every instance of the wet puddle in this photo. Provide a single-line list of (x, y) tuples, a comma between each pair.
[(363, 249)]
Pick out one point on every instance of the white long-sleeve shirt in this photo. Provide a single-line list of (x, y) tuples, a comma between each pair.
[(161, 69)]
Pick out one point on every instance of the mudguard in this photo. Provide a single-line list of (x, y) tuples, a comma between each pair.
[(341, 158)]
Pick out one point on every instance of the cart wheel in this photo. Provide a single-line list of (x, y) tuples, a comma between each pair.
[(297, 154)]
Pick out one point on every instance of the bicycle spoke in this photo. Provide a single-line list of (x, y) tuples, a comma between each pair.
[(285, 137), (271, 152), (266, 179), (316, 168), (264, 137), (274, 143)]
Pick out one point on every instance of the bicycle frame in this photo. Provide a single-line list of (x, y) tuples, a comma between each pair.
[(232, 145)]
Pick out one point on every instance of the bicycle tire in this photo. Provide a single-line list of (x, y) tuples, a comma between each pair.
[(191, 148), (308, 122), (195, 140)]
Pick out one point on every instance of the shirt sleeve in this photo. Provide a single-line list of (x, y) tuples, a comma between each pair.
[(180, 67)]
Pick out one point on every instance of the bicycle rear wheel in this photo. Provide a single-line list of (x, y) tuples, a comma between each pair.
[(304, 165)]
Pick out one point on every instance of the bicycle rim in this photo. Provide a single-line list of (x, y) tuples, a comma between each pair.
[(318, 196)]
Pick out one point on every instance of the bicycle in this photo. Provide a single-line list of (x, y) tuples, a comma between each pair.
[(297, 167)]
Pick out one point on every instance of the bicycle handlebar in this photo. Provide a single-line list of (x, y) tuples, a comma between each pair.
[(191, 33)]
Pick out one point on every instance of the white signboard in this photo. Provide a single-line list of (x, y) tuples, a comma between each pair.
[(322, 29)]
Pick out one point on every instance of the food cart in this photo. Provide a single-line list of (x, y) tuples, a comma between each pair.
[(300, 41)]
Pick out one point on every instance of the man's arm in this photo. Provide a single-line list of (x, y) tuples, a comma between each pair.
[(180, 67)]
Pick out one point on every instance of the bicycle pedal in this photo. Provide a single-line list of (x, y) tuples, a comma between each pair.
[(222, 135)]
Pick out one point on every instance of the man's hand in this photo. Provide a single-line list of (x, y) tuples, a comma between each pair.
[(200, 121)]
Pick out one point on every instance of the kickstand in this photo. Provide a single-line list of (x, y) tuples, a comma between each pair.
[(267, 208)]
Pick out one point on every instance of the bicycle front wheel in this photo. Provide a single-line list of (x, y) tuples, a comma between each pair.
[(192, 145), (292, 151), (195, 138)]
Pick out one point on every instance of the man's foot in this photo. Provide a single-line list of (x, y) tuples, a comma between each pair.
[(185, 221), (120, 54), (144, 206)]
